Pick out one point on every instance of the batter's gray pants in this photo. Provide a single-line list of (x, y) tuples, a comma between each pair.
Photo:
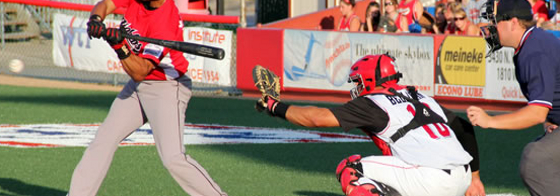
[(540, 165), (163, 104)]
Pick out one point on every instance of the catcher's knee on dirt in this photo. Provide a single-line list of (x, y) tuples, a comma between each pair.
[(350, 175)]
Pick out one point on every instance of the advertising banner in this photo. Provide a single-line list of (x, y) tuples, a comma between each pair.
[(72, 48), (207, 70), (459, 91), (322, 59), (461, 67), (500, 76)]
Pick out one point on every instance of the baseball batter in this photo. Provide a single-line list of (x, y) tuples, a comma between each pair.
[(419, 138), (158, 93)]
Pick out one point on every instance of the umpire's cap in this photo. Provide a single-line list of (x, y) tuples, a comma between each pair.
[(508, 9)]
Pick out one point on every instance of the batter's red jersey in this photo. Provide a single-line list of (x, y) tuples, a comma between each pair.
[(161, 23)]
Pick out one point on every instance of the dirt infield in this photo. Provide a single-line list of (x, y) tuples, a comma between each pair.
[(34, 82)]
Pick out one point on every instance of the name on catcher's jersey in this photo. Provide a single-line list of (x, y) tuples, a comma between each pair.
[(433, 145), (163, 23)]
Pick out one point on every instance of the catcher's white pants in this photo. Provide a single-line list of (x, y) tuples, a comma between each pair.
[(415, 180)]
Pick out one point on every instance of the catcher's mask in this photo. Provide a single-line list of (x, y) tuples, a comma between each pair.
[(490, 31), (372, 71)]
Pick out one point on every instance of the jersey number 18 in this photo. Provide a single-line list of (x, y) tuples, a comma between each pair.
[(441, 128)]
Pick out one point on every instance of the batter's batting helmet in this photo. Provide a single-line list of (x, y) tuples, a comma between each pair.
[(372, 71)]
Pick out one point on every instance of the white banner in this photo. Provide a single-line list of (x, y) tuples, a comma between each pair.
[(322, 59), (72, 48), (501, 83), (207, 70)]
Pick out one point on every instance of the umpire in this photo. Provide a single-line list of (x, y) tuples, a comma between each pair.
[(537, 70)]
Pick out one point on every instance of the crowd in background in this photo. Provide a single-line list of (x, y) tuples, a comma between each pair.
[(456, 17)]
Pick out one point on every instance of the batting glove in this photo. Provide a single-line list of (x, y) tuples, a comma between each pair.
[(95, 26), (113, 36)]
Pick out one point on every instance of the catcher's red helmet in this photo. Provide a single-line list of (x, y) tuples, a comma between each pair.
[(372, 71)]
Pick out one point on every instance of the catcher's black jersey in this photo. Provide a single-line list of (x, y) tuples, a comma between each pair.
[(361, 113)]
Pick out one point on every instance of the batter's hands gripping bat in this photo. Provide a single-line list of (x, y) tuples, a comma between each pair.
[(196, 49), (268, 83)]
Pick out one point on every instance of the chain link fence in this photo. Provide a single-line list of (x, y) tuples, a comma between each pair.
[(34, 46)]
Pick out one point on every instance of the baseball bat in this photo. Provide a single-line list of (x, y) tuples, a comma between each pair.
[(191, 48)]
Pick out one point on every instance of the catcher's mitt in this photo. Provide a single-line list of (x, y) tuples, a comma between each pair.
[(268, 83)]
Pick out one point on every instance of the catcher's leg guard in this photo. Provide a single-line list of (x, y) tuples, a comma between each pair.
[(362, 191), (348, 170), (368, 187), (350, 175)]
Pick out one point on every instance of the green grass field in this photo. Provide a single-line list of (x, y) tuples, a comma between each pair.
[(240, 169)]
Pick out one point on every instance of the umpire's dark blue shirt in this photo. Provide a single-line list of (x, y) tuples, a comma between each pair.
[(537, 68)]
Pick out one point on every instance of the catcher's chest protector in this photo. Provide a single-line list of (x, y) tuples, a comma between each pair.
[(433, 145)]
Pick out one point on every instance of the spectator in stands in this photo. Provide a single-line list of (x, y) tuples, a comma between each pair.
[(540, 11), (387, 21), (450, 17), (349, 21), (463, 25), (554, 22), (555, 18), (474, 8), (428, 23), (372, 18), (410, 12), (327, 23), (441, 21)]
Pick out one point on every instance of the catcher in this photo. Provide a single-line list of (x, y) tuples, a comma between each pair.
[(427, 149)]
